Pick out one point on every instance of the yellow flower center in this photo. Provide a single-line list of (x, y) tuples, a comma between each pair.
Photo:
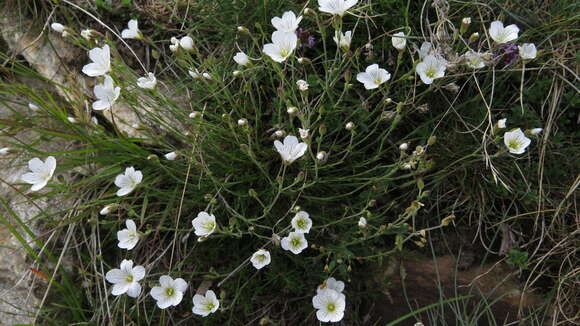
[(430, 72), (301, 224), (169, 292), (209, 306), (284, 53), (209, 226), (295, 242), (129, 278), (330, 307), (514, 143)]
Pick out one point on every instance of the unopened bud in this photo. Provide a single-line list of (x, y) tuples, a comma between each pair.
[(404, 146), (243, 29), (465, 22), (195, 115), (349, 125), (321, 155), (292, 110), (242, 122), (279, 133), (108, 209), (237, 73), (473, 37)]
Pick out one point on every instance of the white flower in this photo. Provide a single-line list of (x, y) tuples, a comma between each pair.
[(204, 224), (128, 237), (294, 242), (186, 42), (71, 119), (373, 76), (501, 123), (301, 222), (288, 23), (242, 59), (128, 181), (282, 46), (170, 292), (171, 156), (362, 223), (33, 107), (332, 284), (302, 85), (291, 149), (173, 47), (528, 51), (430, 69), (87, 34), (204, 305), (126, 279), (330, 305), (57, 27), (343, 40), (336, 7), (474, 60), (424, 50), (133, 31), (502, 34), (536, 131), (4, 151), (261, 258), (41, 172), (101, 64), (399, 41), (304, 133), (148, 82), (516, 141), (106, 94)]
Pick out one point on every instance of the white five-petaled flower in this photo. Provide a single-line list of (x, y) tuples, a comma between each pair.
[(430, 69), (294, 242), (502, 34), (373, 76), (261, 258), (501, 123), (332, 284), (41, 172), (148, 82), (474, 60), (399, 41), (128, 237), (343, 40), (291, 149), (101, 64), (106, 94), (330, 305), (170, 292), (242, 59), (133, 31), (336, 7), (204, 224), (301, 222), (126, 279), (302, 85), (128, 181), (288, 23), (516, 141), (528, 51), (204, 305), (282, 46), (57, 27)]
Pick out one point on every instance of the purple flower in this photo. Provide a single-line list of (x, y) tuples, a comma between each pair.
[(507, 52), (307, 40)]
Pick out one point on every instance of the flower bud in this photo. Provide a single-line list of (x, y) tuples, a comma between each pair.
[(153, 157), (108, 209), (174, 47), (362, 223), (71, 119), (242, 122), (501, 123), (322, 129), (237, 73), (207, 76), (243, 29), (279, 133), (473, 37), (303, 60), (321, 155), (302, 85), (404, 146), (292, 110), (432, 140), (304, 133), (195, 115), (57, 27), (407, 166), (536, 131), (5, 151), (186, 43), (465, 22), (309, 12), (171, 156), (388, 100), (349, 125)]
